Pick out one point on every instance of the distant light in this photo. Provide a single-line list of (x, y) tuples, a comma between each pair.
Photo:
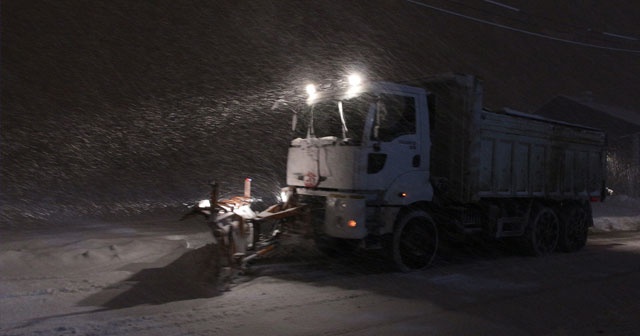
[(352, 223), (354, 80), (204, 204), (402, 194)]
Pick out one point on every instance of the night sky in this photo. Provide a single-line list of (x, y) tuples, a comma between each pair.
[(122, 106)]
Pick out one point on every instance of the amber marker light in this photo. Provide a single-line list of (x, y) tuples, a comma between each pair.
[(352, 223)]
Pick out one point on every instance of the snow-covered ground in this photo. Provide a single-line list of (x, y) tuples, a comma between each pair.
[(617, 213), (150, 278)]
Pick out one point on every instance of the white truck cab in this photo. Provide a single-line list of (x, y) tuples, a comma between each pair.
[(359, 149)]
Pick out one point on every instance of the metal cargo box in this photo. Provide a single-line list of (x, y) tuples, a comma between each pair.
[(521, 155), (479, 153)]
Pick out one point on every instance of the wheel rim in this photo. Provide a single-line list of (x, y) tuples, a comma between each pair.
[(546, 231), (417, 244)]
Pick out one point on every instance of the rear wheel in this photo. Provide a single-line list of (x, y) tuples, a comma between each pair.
[(541, 236), (415, 241), (573, 229)]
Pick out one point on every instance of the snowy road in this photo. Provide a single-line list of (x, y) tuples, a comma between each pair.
[(147, 279)]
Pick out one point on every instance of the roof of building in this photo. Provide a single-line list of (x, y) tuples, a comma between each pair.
[(615, 121)]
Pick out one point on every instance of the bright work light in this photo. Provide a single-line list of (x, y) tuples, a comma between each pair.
[(311, 89), (354, 79)]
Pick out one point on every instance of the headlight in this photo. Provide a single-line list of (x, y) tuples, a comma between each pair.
[(284, 196), (339, 204)]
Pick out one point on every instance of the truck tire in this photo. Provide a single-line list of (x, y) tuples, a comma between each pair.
[(541, 236), (574, 228), (415, 241)]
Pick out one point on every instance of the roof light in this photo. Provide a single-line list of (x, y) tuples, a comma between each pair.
[(354, 80), (311, 89), (355, 86)]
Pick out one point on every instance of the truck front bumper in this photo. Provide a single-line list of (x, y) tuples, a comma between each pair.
[(343, 216)]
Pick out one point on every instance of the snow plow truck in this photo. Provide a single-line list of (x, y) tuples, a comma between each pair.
[(393, 166)]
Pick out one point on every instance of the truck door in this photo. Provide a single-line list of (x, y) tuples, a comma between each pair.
[(393, 147)]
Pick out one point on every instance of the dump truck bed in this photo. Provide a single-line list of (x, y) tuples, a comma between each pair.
[(505, 154)]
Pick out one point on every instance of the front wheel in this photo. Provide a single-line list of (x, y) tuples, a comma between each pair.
[(415, 241)]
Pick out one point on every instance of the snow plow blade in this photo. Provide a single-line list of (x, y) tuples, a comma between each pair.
[(237, 229), (277, 212)]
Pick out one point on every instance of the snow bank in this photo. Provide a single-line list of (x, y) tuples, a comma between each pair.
[(96, 246), (107, 266), (617, 213)]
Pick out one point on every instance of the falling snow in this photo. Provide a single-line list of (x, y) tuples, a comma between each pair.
[(113, 114)]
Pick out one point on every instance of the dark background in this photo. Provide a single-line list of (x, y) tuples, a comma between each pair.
[(124, 107)]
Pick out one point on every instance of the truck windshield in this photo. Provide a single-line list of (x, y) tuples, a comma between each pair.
[(343, 119)]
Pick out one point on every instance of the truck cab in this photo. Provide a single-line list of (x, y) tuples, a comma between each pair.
[(362, 153)]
